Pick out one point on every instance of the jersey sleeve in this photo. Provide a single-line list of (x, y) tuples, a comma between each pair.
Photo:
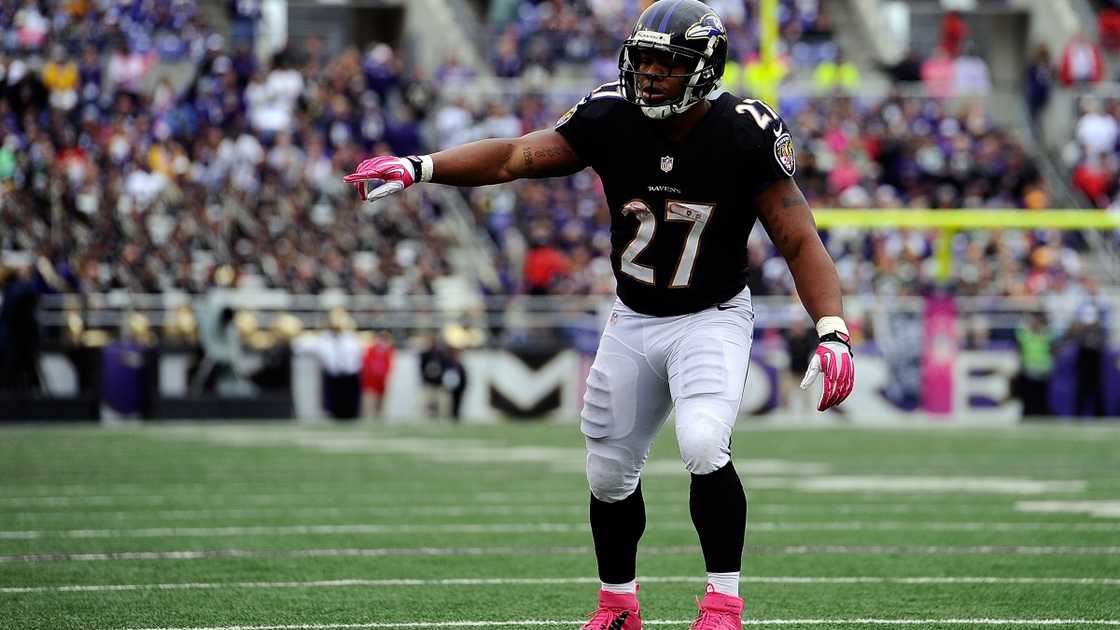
[(765, 143), (587, 123)]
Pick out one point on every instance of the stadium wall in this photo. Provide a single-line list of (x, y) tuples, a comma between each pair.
[(503, 385)]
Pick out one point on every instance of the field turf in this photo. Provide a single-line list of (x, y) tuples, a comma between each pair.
[(441, 526)]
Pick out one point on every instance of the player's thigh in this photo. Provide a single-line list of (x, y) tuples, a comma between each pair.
[(626, 402), (707, 375)]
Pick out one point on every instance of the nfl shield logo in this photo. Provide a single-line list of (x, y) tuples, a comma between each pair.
[(666, 164)]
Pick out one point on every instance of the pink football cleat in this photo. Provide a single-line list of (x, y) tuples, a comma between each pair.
[(719, 612), (617, 611)]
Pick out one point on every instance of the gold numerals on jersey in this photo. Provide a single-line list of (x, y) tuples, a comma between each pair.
[(695, 213)]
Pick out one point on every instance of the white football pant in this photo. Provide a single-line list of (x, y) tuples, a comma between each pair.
[(645, 365)]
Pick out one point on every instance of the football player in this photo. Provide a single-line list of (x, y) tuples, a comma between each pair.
[(686, 169)]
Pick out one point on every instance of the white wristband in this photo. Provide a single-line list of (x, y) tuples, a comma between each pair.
[(426, 168), (831, 324)]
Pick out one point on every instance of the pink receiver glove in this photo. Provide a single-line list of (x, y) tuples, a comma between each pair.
[(833, 359), (395, 173)]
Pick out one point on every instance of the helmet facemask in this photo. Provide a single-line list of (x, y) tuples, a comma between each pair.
[(698, 82)]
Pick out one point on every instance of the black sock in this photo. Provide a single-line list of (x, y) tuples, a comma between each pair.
[(617, 528), (719, 512)]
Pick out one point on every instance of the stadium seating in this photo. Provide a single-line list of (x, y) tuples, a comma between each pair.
[(553, 36), (159, 184)]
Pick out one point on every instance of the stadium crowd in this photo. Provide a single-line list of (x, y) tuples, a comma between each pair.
[(895, 153), (1093, 153), (539, 36), (157, 183), (112, 170)]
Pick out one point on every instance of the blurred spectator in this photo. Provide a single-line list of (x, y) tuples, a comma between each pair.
[(938, 74), (1095, 177), (1090, 338), (377, 364), (1097, 130), (127, 68), (507, 59), (954, 32), (1039, 81), (432, 365), (801, 342), (1108, 25), (340, 353), (970, 74), (127, 365), (545, 265), (60, 76), (454, 380), (907, 70), (453, 72), (1036, 360), (19, 333), (31, 26), (1081, 62), (243, 17), (224, 367)]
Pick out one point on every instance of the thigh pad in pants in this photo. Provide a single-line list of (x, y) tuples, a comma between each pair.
[(707, 380), (625, 404)]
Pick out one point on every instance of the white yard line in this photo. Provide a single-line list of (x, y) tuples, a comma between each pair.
[(757, 623), (379, 552), (274, 498), (544, 528), (353, 583), (472, 509), (467, 509), (896, 485)]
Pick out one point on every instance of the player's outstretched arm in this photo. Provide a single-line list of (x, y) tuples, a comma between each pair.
[(786, 216), (542, 153), (539, 154)]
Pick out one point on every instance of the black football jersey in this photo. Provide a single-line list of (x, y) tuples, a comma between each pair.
[(680, 212)]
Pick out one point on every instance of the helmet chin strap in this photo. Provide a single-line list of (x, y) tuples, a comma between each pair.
[(661, 112)]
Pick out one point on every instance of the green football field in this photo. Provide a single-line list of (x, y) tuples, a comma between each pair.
[(440, 526)]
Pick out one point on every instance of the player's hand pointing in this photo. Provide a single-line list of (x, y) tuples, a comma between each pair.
[(393, 174), (833, 359)]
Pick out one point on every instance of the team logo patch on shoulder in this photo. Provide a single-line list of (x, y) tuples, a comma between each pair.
[(783, 153), (567, 115)]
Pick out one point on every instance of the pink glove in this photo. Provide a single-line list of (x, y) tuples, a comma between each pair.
[(834, 360), (395, 173)]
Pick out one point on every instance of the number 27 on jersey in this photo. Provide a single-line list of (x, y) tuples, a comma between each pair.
[(697, 214)]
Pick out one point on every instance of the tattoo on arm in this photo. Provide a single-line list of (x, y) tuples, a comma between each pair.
[(780, 233), (550, 152), (791, 201), (783, 225), (539, 154)]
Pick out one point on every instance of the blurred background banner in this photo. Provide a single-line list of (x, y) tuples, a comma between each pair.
[(176, 241)]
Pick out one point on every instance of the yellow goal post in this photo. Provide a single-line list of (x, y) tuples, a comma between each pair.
[(948, 222)]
